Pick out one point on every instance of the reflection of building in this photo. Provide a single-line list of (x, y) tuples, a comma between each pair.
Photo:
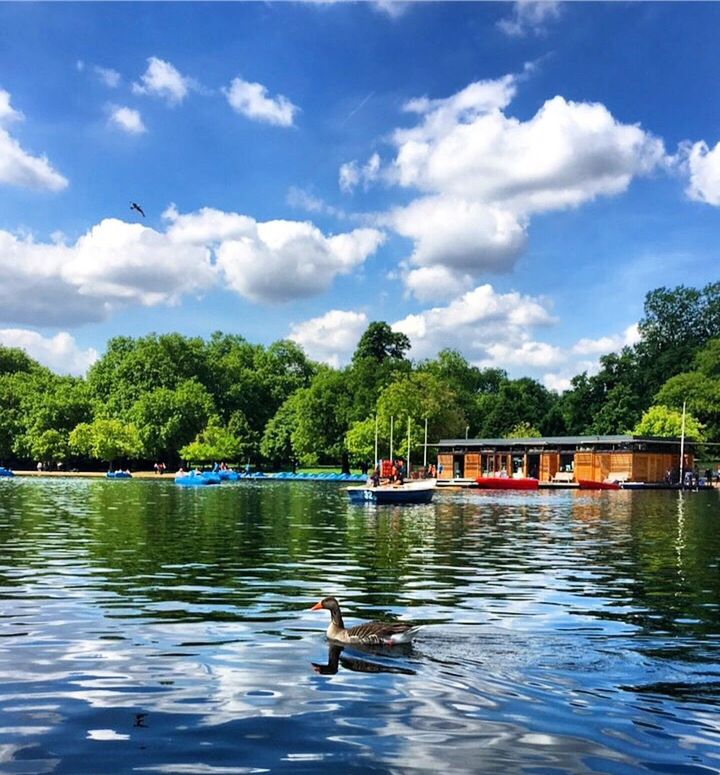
[(563, 458)]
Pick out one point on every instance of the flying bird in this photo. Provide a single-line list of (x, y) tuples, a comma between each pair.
[(136, 206)]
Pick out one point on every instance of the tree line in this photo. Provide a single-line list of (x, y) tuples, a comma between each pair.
[(175, 398)]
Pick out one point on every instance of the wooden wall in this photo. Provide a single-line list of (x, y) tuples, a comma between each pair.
[(446, 461), (472, 466), (549, 464), (633, 466)]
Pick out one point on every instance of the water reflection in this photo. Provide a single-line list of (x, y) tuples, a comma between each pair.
[(565, 631), (355, 663)]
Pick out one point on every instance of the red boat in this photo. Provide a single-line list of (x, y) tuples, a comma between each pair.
[(589, 484), (505, 483)]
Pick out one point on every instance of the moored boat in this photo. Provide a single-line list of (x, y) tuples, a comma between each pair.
[(118, 475), (6, 472), (506, 483), (589, 484), (413, 492), (195, 480)]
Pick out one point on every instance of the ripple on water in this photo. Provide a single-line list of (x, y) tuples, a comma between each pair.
[(158, 630)]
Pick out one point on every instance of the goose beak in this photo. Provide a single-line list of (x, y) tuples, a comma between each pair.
[(317, 606)]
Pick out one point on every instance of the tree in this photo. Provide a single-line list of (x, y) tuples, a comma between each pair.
[(380, 343), (212, 444), (276, 444), (523, 430), (661, 422), (322, 419), (106, 440), (50, 446), (168, 418)]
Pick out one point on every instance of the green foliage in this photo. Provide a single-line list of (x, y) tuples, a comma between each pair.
[(276, 444), (380, 343), (523, 430), (661, 421), (215, 443), (50, 446), (169, 418), (106, 440)]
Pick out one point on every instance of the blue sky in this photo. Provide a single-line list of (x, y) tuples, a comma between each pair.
[(508, 179)]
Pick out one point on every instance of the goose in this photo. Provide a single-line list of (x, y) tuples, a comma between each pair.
[(368, 634)]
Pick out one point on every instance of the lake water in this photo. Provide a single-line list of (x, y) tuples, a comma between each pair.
[(149, 628)]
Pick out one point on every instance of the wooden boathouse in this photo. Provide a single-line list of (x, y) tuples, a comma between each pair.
[(563, 459)]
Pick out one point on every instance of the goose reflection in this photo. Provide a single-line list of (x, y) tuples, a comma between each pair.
[(357, 665)]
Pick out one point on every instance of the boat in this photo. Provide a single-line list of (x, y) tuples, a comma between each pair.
[(118, 475), (506, 483), (589, 484), (6, 472), (416, 491), (196, 480)]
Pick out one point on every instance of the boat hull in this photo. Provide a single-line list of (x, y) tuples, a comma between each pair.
[(588, 484), (195, 481), (411, 493), (505, 483)]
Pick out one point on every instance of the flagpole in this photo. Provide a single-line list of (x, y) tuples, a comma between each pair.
[(391, 438), (408, 449), (425, 447), (682, 446), (376, 441)]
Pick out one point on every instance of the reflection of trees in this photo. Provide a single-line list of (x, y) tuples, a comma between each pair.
[(655, 556), (252, 551)]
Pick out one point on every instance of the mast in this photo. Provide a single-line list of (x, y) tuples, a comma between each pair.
[(391, 438), (408, 449), (682, 446), (425, 447), (376, 441)]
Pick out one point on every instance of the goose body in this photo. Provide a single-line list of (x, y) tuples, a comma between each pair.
[(368, 634)]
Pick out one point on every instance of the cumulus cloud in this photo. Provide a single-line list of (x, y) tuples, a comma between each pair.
[(436, 283), (459, 234), (252, 101), (704, 168), (482, 174), (282, 260), (59, 353), (126, 119), (273, 261), (17, 167), (607, 344), (332, 337), (163, 80), (478, 323), (113, 265), (529, 16)]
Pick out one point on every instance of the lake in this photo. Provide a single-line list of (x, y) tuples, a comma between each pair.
[(150, 628)]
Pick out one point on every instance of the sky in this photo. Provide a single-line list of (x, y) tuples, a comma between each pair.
[(505, 179)]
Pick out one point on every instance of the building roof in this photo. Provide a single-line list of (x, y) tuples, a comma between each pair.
[(560, 441)]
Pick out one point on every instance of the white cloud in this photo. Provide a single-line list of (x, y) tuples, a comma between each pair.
[(273, 261), (59, 353), (529, 16), (483, 174), (607, 344), (7, 112), (479, 323), (17, 167), (163, 80), (459, 234), (111, 78), (352, 174), (283, 260), (704, 168), (436, 283), (113, 265), (566, 154), (252, 101), (332, 337), (304, 200), (126, 119)]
